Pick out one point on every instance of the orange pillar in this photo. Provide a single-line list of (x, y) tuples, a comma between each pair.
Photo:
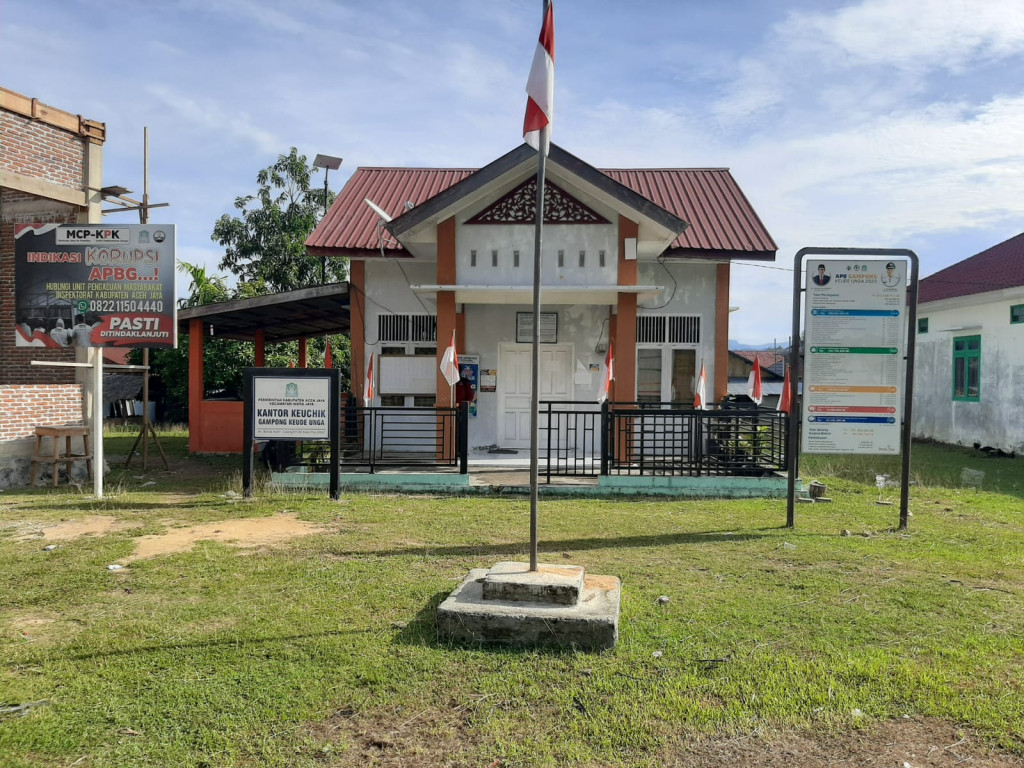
[(260, 355), (357, 313), (196, 386), (446, 319), (721, 332), (302, 352), (625, 326)]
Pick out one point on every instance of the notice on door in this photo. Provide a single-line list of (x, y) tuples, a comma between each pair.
[(854, 346)]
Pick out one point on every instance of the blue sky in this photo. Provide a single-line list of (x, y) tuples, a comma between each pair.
[(874, 123)]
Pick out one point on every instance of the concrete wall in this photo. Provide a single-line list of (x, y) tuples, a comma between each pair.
[(997, 419)]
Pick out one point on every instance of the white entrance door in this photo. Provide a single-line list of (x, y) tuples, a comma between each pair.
[(515, 373)]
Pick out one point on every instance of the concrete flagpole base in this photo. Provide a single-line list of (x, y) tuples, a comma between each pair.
[(555, 606)]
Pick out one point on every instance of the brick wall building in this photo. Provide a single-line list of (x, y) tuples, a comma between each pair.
[(50, 171)]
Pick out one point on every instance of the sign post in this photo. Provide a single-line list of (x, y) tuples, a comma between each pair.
[(858, 356), (291, 404)]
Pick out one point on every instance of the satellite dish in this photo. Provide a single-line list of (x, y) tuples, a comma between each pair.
[(377, 209)]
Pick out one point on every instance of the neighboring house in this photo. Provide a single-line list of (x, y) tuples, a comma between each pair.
[(636, 258), (773, 371), (969, 361), (50, 171)]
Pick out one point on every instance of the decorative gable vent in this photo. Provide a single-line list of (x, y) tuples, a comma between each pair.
[(407, 328), (520, 207), (668, 329)]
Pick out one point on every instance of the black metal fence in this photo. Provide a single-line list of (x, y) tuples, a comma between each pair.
[(583, 439), (386, 437), (658, 439), (395, 436), (577, 439)]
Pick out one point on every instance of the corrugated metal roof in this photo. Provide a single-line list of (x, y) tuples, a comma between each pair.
[(1001, 266), (351, 225), (720, 216), (723, 224)]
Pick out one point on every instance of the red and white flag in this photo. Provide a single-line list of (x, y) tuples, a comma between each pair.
[(785, 401), (609, 374), (450, 363), (700, 397), (540, 86), (328, 358), (754, 381), (368, 384)]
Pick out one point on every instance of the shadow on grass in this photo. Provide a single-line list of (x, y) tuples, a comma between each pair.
[(220, 642), (560, 545)]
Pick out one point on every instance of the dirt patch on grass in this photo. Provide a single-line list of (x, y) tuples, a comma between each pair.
[(247, 532), (40, 626), (67, 530), (917, 743), (434, 738)]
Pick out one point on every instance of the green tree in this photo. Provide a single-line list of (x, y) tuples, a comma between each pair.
[(266, 242)]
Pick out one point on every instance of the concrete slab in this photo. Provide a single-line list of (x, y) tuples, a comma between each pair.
[(591, 624), (559, 584)]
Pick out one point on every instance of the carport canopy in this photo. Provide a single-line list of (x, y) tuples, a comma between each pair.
[(287, 316), (216, 426)]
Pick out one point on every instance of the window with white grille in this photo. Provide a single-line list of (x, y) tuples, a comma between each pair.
[(407, 328), (668, 329)]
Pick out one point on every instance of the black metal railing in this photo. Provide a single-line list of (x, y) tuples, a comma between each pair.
[(570, 438), (661, 439), (387, 437), (577, 439), (394, 436)]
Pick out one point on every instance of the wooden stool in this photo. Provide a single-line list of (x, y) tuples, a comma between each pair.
[(66, 431)]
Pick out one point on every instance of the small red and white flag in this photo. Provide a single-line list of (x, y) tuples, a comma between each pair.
[(608, 374), (754, 381), (700, 397), (540, 86), (785, 401), (328, 358), (450, 363), (368, 384)]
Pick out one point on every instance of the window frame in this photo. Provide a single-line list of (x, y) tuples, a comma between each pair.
[(961, 368), (1020, 314)]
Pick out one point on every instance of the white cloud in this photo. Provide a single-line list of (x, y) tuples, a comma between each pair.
[(910, 34), (210, 117)]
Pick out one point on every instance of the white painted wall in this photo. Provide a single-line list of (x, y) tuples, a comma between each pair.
[(998, 418), (507, 238)]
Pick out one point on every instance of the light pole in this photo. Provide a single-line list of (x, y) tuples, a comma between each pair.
[(328, 163)]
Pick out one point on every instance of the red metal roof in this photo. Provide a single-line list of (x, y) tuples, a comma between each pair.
[(1001, 266), (720, 216), (351, 225), (722, 221)]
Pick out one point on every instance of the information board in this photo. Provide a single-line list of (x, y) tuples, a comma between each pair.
[(94, 285), (854, 347), (291, 407)]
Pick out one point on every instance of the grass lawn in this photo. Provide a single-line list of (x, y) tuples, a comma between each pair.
[(320, 650)]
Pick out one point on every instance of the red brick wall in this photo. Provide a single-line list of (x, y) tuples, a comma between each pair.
[(23, 408), (41, 151), (35, 149)]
